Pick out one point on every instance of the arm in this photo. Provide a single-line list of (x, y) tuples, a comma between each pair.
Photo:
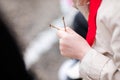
[(94, 65)]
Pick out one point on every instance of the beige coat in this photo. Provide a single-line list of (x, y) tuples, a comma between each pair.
[(103, 61)]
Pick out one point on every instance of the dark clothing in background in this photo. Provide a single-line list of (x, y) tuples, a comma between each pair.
[(11, 61), (80, 25)]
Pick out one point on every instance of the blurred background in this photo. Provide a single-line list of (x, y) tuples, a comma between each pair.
[(29, 20)]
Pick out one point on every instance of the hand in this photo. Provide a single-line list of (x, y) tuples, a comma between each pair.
[(71, 44)]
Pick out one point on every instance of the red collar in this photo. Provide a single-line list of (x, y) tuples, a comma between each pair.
[(94, 5)]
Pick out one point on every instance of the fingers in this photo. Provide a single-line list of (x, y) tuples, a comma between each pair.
[(62, 33)]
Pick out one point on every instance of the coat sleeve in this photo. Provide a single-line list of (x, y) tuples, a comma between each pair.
[(95, 65)]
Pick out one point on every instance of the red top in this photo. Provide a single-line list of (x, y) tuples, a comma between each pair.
[(94, 5)]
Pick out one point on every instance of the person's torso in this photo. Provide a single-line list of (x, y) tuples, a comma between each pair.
[(105, 24)]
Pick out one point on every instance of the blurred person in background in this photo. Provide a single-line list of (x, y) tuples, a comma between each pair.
[(12, 64), (99, 54)]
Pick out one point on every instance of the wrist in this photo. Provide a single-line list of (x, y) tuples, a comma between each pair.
[(86, 50)]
